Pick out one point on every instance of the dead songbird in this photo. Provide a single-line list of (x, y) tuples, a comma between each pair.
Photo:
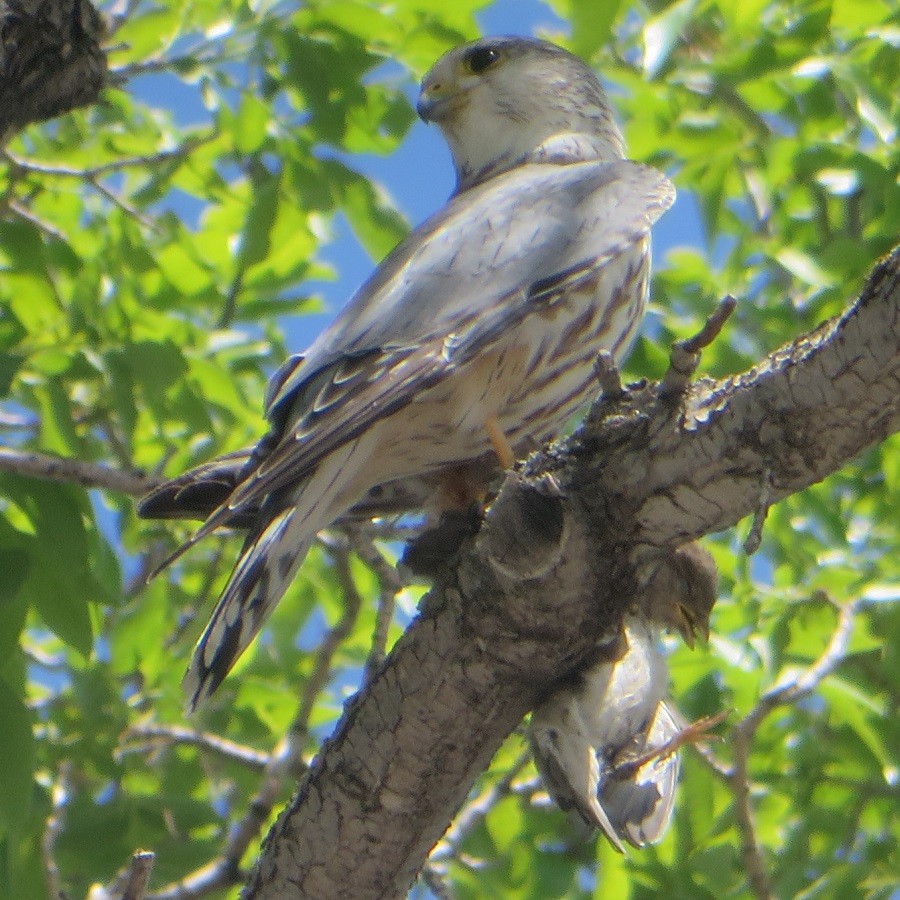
[(606, 744)]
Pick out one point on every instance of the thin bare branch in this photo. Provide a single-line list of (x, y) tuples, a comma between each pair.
[(608, 376), (474, 812), (389, 585), (92, 172), (50, 230), (144, 738), (139, 875), (123, 204), (58, 468), (219, 874), (789, 690), (59, 797), (685, 355)]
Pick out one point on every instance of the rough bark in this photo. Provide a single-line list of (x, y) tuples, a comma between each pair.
[(552, 569), (50, 60)]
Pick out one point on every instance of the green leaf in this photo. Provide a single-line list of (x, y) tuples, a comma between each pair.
[(17, 750), (256, 234), (251, 124), (59, 583), (591, 24)]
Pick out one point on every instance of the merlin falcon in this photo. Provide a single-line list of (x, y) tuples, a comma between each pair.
[(474, 340)]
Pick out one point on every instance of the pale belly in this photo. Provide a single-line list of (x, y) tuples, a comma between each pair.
[(530, 383)]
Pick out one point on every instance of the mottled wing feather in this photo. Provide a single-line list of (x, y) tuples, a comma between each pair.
[(640, 807), (490, 243), (320, 408), (196, 493), (263, 570)]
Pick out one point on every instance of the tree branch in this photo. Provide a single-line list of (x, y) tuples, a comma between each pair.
[(552, 570), (50, 60), (58, 468), (150, 737)]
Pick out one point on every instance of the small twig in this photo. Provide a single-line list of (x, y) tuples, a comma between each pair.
[(789, 690), (384, 615), (229, 308), (389, 585), (754, 538), (608, 375), (59, 797), (123, 204), (685, 355), (58, 468), (139, 875), (335, 637), (150, 159), (149, 737), (130, 883), (722, 769), (48, 229)]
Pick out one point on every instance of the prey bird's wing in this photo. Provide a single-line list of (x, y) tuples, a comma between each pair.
[(640, 806)]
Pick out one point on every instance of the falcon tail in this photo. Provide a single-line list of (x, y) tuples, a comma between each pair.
[(264, 570), (272, 553)]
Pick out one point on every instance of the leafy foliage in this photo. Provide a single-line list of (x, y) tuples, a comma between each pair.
[(150, 250)]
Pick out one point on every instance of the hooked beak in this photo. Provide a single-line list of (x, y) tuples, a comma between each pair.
[(436, 100)]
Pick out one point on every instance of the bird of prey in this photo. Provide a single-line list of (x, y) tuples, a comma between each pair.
[(606, 743), (474, 338)]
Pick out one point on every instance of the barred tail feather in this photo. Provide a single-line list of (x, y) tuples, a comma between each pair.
[(263, 572), (271, 556)]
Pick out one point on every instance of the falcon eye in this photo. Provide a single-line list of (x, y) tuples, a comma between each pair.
[(480, 58)]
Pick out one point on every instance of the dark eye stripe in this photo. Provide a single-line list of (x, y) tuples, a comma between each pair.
[(481, 58)]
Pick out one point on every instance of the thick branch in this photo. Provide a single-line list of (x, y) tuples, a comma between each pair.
[(50, 60), (526, 601)]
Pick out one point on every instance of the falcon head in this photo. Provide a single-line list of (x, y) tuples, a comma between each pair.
[(501, 102)]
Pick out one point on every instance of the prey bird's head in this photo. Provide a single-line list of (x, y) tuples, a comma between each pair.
[(682, 591), (504, 101)]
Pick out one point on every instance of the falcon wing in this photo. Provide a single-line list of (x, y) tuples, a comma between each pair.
[(495, 255)]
